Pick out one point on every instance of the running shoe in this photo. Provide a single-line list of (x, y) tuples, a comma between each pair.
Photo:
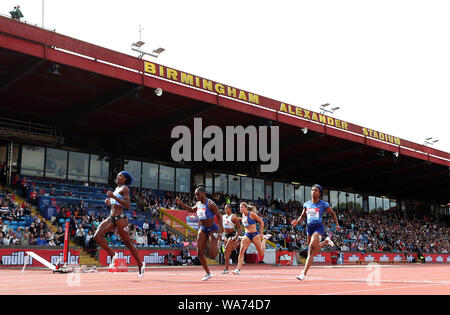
[(330, 242), (141, 270), (113, 260), (237, 272), (225, 271), (207, 276), (301, 276)]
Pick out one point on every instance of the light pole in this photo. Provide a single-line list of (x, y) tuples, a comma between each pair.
[(137, 47)]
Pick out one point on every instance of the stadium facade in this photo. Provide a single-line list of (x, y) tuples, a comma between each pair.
[(76, 111)]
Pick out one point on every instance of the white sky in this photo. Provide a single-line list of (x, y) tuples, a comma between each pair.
[(386, 63)]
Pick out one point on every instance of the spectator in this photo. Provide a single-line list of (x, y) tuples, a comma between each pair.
[(88, 238), (25, 240), (49, 238), (152, 239), (80, 235), (59, 236), (170, 259), (40, 241), (145, 226), (140, 239)]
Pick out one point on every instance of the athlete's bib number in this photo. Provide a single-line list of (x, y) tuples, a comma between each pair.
[(201, 212), (313, 213)]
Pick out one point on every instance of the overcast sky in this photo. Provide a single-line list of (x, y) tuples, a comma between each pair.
[(386, 63)]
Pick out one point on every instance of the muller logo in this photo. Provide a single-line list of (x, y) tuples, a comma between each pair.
[(16, 259)]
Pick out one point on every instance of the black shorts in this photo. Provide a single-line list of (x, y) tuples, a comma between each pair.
[(228, 235), (116, 218)]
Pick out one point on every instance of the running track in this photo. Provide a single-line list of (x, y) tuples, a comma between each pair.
[(254, 279)]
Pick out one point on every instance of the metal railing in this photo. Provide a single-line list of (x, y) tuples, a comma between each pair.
[(27, 130)]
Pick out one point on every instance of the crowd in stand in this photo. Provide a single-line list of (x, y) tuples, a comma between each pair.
[(361, 231)]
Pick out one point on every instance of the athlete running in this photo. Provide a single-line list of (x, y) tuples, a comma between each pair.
[(313, 211)]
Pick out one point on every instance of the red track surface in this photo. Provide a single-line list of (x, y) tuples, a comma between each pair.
[(253, 280)]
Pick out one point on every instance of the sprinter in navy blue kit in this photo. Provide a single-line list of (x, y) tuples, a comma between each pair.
[(208, 231), (313, 212), (249, 220)]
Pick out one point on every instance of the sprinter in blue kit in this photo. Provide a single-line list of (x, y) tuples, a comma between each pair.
[(313, 211), (249, 220), (209, 232)]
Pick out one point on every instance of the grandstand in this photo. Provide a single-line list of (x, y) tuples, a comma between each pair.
[(64, 136)]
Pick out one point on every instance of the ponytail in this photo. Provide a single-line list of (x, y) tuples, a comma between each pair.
[(251, 208)]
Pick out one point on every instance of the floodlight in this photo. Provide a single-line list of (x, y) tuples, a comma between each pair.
[(323, 109), (158, 92), (158, 51), (138, 44), (430, 141)]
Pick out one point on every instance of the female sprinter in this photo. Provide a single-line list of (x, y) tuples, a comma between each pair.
[(206, 209), (119, 200), (313, 211), (249, 219), (230, 221)]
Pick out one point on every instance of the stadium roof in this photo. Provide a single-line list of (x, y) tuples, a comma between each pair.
[(104, 100)]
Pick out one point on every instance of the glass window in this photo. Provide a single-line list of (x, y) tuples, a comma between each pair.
[(393, 204), (342, 200), (372, 204), (56, 164), (351, 201), (183, 180), (288, 192), (334, 201), (99, 169), (134, 168), (268, 190), (325, 196), (278, 191), (258, 189), (247, 188), (300, 194), (209, 183), (379, 203), (150, 175), (78, 166), (166, 178), (386, 205), (234, 185), (33, 161), (359, 203), (308, 193), (198, 179), (220, 183)]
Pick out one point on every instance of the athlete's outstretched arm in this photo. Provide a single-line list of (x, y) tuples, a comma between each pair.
[(238, 227), (300, 219), (334, 216), (212, 205), (187, 208)]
